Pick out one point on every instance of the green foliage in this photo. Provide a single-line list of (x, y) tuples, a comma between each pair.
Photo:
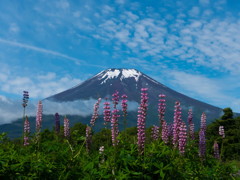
[(54, 157), (228, 114), (231, 143)]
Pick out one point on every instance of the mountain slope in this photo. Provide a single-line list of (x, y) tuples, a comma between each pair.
[(130, 82), (104, 84)]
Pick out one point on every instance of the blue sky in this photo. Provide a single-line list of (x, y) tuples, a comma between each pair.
[(192, 47)]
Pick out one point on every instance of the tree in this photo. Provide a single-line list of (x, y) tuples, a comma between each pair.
[(228, 114)]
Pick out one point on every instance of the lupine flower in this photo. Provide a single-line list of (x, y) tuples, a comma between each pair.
[(190, 124), (176, 123), (182, 138), (25, 98), (26, 131), (216, 150), (107, 113), (115, 99), (165, 132), (124, 105), (190, 117), (191, 128), (24, 104), (202, 143), (101, 149), (57, 123), (114, 126), (66, 127), (95, 112), (124, 110), (155, 132), (170, 131), (221, 131), (142, 112), (39, 117), (203, 122), (88, 138), (161, 108), (202, 136)]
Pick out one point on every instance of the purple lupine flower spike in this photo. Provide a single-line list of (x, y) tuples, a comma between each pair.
[(114, 126), (39, 117), (107, 113), (161, 108), (24, 104), (124, 110), (26, 131), (202, 136), (95, 112), (115, 99), (165, 132), (203, 122), (190, 116), (202, 143), (142, 112), (25, 98), (114, 120), (182, 138), (216, 150), (190, 124), (57, 123), (124, 105), (176, 123), (221, 131), (191, 133), (170, 131), (66, 127), (88, 138), (155, 132)]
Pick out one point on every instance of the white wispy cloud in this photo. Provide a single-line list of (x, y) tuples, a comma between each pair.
[(120, 1), (40, 86), (64, 4), (204, 2), (48, 52), (194, 11), (212, 43), (107, 9), (11, 110), (219, 4), (14, 28), (207, 43), (79, 107), (202, 87), (199, 84), (42, 50)]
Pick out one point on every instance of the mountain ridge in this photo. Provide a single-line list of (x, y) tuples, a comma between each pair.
[(122, 69), (130, 82)]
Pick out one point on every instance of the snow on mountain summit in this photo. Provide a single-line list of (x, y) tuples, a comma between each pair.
[(126, 73), (119, 73), (111, 73)]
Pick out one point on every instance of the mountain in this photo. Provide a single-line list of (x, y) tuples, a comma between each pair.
[(104, 84), (130, 82)]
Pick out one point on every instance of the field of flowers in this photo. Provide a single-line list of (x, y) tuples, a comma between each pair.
[(164, 151)]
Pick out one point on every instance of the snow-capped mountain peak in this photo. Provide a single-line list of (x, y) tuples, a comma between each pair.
[(130, 82), (127, 73), (119, 73), (109, 74)]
